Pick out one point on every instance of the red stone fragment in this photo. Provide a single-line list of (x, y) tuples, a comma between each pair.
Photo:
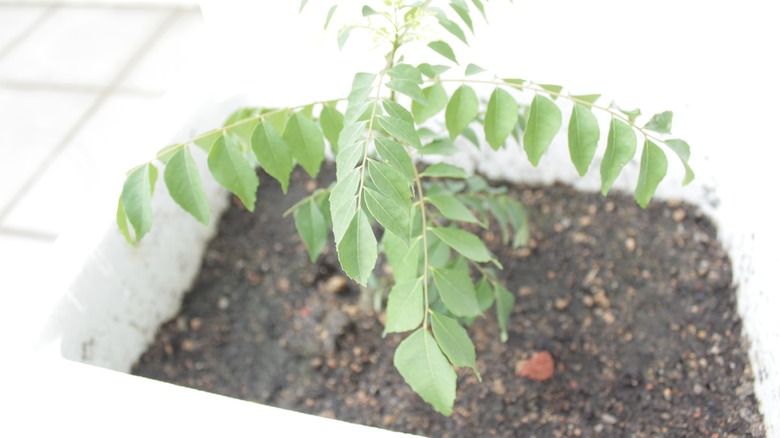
[(539, 367)]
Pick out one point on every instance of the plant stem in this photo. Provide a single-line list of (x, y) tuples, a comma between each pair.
[(425, 242)]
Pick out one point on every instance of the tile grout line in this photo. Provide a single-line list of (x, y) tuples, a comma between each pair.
[(96, 104), (27, 32)]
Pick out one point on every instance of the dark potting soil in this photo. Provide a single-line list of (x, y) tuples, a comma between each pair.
[(635, 306)]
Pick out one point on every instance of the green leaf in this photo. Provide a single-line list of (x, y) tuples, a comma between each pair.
[(273, 153), (499, 212), (408, 88), (631, 114), (652, 169), (362, 84), (278, 119), (683, 151), (185, 187), (451, 208), (588, 98), (457, 291), (519, 221), (435, 100), (390, 182), (443, 49), (444, 170), (504, 303), (454, 341), (500, 117), (232, 170), (426, 370), (462, 109), (331, 122), (471, 136), (473, 69), (514, 81), (205, 141), (402, 256), (368, 10), (343, 202), (343, 36), (485, 296), (405, 307), (165, 154), (357, 250), (554, 90), (310, 224), (460, 8), (121, 221), (305, 141), (480, 7), (451, 27), (303, 5), (583, 137), (400, 129), (465, 243), (441, 146), (137, 198), (544, 121), (391, 214), (405, 72), (395, 156), (432, 71), (330, 15), (352, 148), (621, 146), (660, 123)]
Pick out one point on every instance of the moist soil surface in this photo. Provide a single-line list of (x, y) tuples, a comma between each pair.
[(636, 308)]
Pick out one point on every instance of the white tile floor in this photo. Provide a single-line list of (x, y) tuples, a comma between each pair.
[(76, 78)]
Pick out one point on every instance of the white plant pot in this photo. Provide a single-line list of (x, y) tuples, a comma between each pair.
[(109, 300)]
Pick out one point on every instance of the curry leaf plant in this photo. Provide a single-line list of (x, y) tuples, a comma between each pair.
[(423, 218)]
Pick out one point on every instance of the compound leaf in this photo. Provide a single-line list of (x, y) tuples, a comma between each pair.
[(621, 146), (273, 153), (454, 341), (185, 187), (683, 151), (427, 371), (435, 101), (544, 121), (357, 249), (451, 208), (500, 117), (343, 202), (305, 141), (232, 170), (310, 224), (457, 291), (660, 123), (395, 156), (331, 122), (465, 243), (652, 169), (444, 170), (389, 212), (504, 303), (405, 307), (443, 49), (462, 109), (583, 137), (137, 199)]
